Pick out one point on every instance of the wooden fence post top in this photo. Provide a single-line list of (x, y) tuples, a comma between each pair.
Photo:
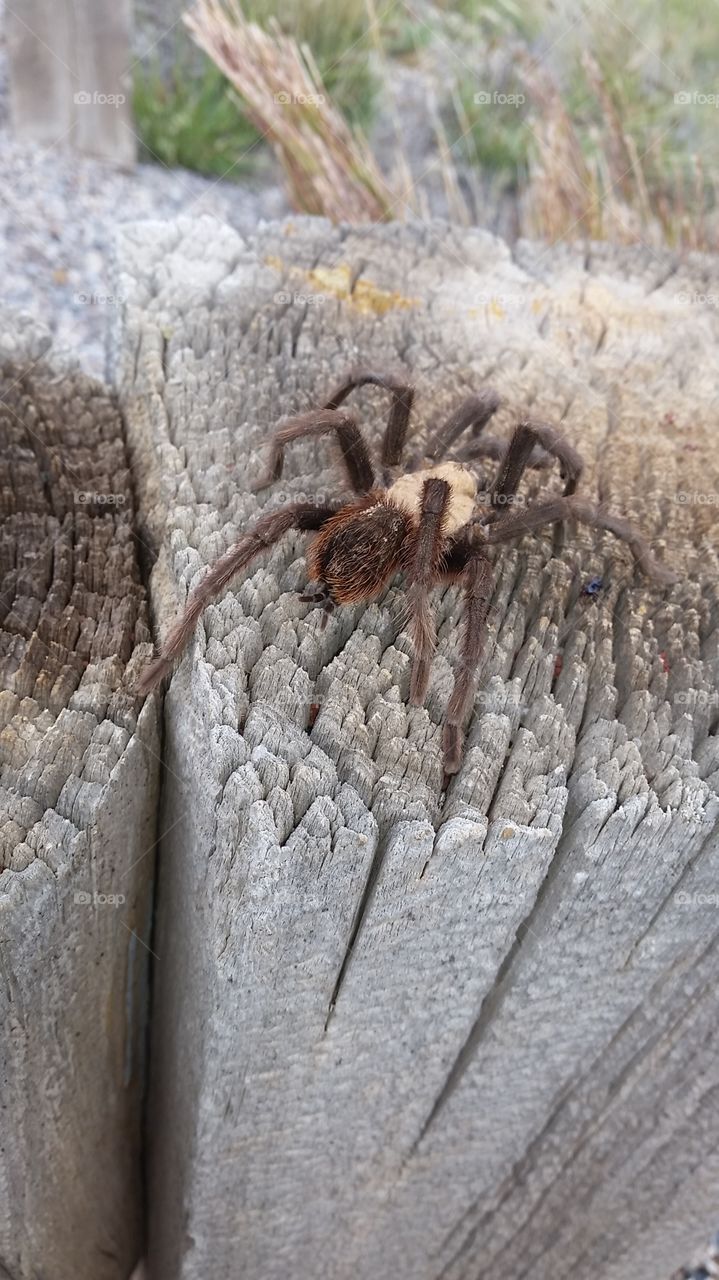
[(431, 1035), (79, 782)]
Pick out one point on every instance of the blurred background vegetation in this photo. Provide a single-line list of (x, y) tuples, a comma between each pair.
[(548, 119)]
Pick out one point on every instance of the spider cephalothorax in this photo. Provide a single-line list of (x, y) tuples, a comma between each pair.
[(423, 520)]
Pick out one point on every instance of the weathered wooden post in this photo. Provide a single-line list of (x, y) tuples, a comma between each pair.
[(70, 75), (396, 1033), (79, 780)]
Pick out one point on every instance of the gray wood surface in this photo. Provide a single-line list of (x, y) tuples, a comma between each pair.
[(79, 782), (400, 1033), (70, 74)]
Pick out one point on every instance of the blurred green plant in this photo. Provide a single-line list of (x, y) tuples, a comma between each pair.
[(191, 117), (494, 135), (484, 19)]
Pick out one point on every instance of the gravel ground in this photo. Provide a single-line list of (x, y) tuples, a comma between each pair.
[(58, 213)]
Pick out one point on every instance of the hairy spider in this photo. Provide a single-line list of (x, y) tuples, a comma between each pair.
[(424, 519)]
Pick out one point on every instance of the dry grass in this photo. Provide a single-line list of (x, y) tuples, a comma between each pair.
[(599, 150), (572, 195), (562, 193), (609, 190), (329, 169), (614, 144)]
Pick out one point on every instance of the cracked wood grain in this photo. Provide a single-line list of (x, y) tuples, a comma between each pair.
[(399, 1032), (79, 781)]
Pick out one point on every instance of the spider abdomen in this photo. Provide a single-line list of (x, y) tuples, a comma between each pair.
[(359, 549)]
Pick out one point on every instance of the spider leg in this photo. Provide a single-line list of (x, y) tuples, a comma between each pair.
[(268, 530), (402, 396), (471, 565), (319, 422), (515, 524), (517, 457), (474, 412), (422, 574), (322, 600), (494, 448)]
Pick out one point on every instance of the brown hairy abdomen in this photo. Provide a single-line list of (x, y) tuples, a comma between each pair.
[(359, 549)]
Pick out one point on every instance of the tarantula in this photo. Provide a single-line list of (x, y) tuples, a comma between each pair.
[(423, 519)]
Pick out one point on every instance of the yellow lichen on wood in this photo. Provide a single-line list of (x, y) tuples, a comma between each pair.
[(364, 294)]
